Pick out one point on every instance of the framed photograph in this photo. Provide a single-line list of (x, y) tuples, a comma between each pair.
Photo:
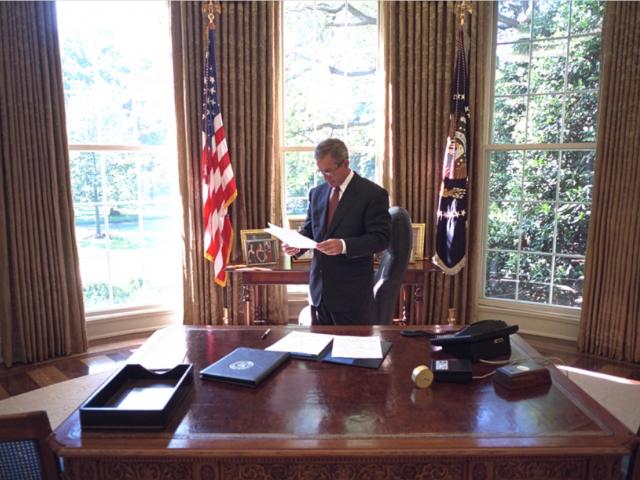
[(295, 223), (259, 247), (417, 242)]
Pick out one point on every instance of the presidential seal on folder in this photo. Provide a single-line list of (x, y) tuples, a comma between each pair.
[(245, 366)]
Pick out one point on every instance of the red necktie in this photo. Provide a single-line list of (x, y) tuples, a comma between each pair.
[(333, 204)]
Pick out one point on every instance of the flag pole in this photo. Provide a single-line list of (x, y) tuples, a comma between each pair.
[(461, 10), (211, 9)]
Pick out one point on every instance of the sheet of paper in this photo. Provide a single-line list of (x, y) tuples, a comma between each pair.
[(346, 346), (305, 343), (290, 237)]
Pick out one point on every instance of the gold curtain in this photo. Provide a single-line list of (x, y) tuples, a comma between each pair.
[(419, 53), (609, 323), (247, 66), (41, 305)]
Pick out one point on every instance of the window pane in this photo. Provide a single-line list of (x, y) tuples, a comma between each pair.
[(505, 180), (534, 278), (550, 18), (117, 72), (512, 68), (509, 119), (514, 20), (331, 51), (501, 275), (586, 16), (330, 88), (545, 119), (537, 226), (576, 181), (584, 63), (569, 281), (573, 228), (503, 225), (116, 60), (540, 195), (540, 175), (121, 218), (548, 61), (580, 118), (301, 173)]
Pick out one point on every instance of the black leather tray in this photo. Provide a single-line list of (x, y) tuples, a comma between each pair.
[(137, 398)]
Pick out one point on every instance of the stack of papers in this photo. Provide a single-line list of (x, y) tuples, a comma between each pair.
[(303, 344), (346, 349)]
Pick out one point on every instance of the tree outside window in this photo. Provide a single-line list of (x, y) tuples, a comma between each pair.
[(542, 150)]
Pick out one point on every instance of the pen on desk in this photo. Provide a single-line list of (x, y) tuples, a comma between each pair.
[(264, 335)]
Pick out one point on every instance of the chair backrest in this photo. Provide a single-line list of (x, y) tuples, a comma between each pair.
[(24, 451), (388, 278)]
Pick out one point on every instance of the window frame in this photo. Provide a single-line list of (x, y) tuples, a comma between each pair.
[(118, 319), (544, 319)]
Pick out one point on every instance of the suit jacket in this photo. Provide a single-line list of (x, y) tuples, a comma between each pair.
[(362, 220)]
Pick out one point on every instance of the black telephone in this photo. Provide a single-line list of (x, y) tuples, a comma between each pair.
[(481, 340)]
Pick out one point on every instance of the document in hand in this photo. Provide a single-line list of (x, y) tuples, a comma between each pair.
[(290, 237), (245, 366), (304, 345)]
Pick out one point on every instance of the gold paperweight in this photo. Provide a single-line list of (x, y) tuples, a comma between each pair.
[(421, 376)]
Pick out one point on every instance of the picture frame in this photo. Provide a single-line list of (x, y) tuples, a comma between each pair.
[(296, 223), (259, 247), (417, 242)]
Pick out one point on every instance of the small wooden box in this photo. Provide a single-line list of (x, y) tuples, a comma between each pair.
[(526, 375)]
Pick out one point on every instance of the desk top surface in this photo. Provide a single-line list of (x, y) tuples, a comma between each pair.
[(321, 407)]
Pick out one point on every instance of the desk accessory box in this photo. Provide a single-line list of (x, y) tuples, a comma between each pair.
[(453, 370), (526, 375), (137, 398)]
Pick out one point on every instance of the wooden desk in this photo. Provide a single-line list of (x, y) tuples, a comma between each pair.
[(297, 273), (313, 420)]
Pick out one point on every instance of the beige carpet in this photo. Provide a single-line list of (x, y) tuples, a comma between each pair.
[(58, 400), (618, 395)]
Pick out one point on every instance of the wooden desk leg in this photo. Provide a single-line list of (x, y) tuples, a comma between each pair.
[(405, 293), (418, 304), (259, 309), (246, 299)]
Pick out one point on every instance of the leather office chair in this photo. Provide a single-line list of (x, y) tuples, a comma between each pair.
[(24, 451), (387, 280)]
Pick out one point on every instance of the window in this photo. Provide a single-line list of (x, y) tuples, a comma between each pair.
[(330, 80), (116, 60), (542, 149)]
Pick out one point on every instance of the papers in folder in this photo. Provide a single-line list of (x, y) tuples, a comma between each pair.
[(290, 237), (302, 344)]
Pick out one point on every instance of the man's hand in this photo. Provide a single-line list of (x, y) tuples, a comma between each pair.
[(290, 250), (332, 246)]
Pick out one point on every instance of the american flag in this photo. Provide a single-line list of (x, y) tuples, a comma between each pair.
[(453, 212), (218, 184)]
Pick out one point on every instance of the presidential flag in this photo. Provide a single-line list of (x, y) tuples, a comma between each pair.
[(218, 183), (453, 210)]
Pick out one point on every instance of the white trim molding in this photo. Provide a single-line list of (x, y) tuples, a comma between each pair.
[(538, 320), (123, 322)]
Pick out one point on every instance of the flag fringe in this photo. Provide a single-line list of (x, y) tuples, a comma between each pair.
[(449, 270)]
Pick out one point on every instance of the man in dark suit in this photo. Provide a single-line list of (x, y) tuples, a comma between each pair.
[(349, 218)]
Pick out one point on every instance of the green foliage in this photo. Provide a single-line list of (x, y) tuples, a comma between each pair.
[(330, 63), (546, 91), (98, 293)]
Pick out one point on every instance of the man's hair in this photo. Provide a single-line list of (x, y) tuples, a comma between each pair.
[(333, 147)]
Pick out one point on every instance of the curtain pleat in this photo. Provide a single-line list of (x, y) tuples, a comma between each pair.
[(41, 304), (419, 53), (609, 320), (247, 65)]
